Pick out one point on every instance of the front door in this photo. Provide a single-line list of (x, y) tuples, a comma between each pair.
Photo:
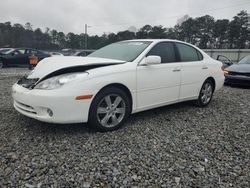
[(159, 84), (16, 58)]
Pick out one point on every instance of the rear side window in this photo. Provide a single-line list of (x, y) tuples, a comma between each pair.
[(200, 56), (188, 53), (34, 52), (165, 50), (21, 51)]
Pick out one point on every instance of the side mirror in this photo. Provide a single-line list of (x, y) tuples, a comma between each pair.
[(151, 60), (12, 54)]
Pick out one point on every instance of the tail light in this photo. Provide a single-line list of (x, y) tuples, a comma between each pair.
[(222, 68)]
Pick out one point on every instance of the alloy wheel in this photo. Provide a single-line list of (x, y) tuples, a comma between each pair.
[(206, 93), (111, 110)]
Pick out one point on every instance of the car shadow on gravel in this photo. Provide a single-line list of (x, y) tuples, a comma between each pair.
[(148, 114), (237, 86), (35, 126)]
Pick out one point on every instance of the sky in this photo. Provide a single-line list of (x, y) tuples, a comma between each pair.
[(112, 15)]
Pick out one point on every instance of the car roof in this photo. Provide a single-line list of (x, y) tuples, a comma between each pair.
[(160, 40), (163, 40), (25, 48), (5, 48), (156, 40)]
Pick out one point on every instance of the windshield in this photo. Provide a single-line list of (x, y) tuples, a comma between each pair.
[(125, 51), (5, 50), (245, 60), (9, 51), (14, 52)]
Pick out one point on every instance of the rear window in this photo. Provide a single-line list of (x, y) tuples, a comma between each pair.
[(188, 53)]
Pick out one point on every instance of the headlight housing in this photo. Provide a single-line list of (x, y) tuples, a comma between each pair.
[(226, 72), (58, 81)]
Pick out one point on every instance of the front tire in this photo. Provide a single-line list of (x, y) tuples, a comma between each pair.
[(31, 67), (206, 94), (109, 109)]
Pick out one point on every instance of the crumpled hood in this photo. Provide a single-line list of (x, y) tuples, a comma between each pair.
[(239, 68), (52, 64)]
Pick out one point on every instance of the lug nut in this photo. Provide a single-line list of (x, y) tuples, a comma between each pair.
[(50, 112)]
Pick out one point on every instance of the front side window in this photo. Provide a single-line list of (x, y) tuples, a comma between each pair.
[(124, 51), (15, 52), (34, 52), (165, 50), (22, 51), (82, 54), (188, 53)]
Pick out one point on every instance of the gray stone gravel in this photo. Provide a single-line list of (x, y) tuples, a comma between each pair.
[(175, 146)]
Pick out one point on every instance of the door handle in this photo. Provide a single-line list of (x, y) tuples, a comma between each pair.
[(205, 67), (176, 70)]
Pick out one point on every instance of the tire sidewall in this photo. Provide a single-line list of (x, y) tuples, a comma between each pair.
[(93, 121), (1, 64), (199, 101)]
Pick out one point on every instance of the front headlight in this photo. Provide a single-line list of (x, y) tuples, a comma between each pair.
[(58, 81)]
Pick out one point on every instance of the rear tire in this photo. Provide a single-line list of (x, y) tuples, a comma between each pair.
[(109, 109), (1, 64), (206, 94)]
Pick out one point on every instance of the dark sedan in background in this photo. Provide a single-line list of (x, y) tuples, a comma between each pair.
[(225, 60), (239, 73), (20, 57), (4, 50)]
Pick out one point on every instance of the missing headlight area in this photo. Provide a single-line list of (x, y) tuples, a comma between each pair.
[(27, 83), (76, 69)]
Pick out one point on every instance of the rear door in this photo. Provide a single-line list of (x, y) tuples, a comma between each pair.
[(193, 70), (25, 57)]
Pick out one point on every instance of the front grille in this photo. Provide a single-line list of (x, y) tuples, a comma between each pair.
[(239, 73), (27, 83)]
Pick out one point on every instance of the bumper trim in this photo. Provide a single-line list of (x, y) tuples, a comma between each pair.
[(24, 107)]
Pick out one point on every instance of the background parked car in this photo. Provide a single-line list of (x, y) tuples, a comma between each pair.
[(225, 60), (83, 53), (20, 57), (55, 54), (68, 52), (238, 73), (5, 50)]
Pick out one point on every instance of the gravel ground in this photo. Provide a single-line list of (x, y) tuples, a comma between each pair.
[(175, 146)]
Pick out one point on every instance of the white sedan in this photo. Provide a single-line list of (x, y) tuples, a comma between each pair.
[(117, 80)]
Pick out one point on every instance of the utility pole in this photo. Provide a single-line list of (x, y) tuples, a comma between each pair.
[(248, 21), (86, 37)]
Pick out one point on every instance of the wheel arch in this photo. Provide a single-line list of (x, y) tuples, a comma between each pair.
[(123, 88), (213, 81)]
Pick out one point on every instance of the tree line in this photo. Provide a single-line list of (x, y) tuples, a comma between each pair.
[(204, 32)]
